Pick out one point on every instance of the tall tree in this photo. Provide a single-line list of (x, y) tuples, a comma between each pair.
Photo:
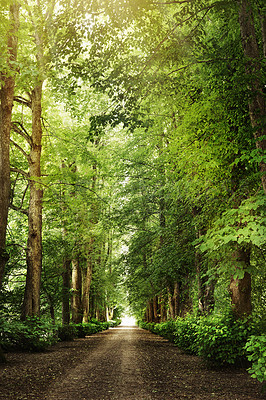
[(7, 82)]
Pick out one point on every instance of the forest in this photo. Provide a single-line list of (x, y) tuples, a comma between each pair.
[(132, 166)]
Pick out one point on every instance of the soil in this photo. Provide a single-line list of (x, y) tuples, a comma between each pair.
[(122, 363)]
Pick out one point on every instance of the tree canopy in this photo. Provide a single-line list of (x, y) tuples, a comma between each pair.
[(133, 148)]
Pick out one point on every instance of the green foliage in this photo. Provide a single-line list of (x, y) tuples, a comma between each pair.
[(33, 334), (166, 329), (256, 353), (67, 333), (186, 334), (222, 339), (217, 339), (243, 225), (72, 331)]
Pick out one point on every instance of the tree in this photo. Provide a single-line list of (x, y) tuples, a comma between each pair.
[(7, 81)]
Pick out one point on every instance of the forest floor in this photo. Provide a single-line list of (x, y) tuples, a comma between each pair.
[(123, 363)]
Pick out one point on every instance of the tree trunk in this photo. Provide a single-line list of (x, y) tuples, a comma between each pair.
[(240, 289), (6, 104), (31, 304), (163, 311), (170, 304), (176, 299), (76, 297), (155, 309), (86, 286), (205, 287), (186, 303), (66, 292), (253, 72)]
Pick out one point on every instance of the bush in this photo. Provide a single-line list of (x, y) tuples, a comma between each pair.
[(186, 334), (114, 323), (256, 353), (217, 339), (166, 329), (32, 334), (222, 339), (67, 332), (72, 331)]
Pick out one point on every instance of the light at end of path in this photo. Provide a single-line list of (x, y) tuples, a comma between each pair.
[(128, 321)]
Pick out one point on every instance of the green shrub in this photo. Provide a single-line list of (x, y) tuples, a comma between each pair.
[(114, 323), (166, 329), (83, 330), (32, 334), (186, 334), (67, 332), (256, 353), (222, 339)]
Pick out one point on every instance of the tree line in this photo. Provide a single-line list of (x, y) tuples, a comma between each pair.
[(132, 158)]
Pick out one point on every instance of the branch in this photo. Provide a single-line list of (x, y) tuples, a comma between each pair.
[(207, 9), (79, 185), (20, 149), (21, 100), (26, 212), (197, 62), (20, 171), (19, 128), (173, 2)]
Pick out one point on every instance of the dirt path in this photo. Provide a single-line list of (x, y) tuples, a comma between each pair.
[(124, 364)]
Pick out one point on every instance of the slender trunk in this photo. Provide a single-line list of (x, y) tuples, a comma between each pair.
[(163, 310), (6, 104), (86, 286), (97, 313), (206, 286), (240, 289), (76, 298), (31, 304), (66, 292), (155, 309), (176, 299), (170, 304), (186, 303), (254, 72)]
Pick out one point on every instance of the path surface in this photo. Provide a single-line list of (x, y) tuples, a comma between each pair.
[(121, 363)]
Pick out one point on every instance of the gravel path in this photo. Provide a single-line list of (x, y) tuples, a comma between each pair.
[(121, 363)]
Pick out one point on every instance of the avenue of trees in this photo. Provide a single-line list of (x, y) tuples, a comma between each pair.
[(132, 158)]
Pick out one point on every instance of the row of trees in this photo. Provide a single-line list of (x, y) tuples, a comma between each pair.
[(132, 157)]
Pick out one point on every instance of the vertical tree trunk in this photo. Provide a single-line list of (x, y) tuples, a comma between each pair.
[(241, 288), (170, 304), (163, 310), (205, 286), (76, 297), (155, 308), (253, 71), (186, 303), (6, 104), (66, 292), (87, 285), (176, 299), (31, 303)]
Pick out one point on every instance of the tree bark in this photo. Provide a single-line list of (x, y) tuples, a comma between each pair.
[(86, 286), (66, 292), (205, 287), (170, 303), (155, 309), (240, 289), (163, 310), (176, 299), (31, 303), (76, 298), (253, 72), (6, 104)]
